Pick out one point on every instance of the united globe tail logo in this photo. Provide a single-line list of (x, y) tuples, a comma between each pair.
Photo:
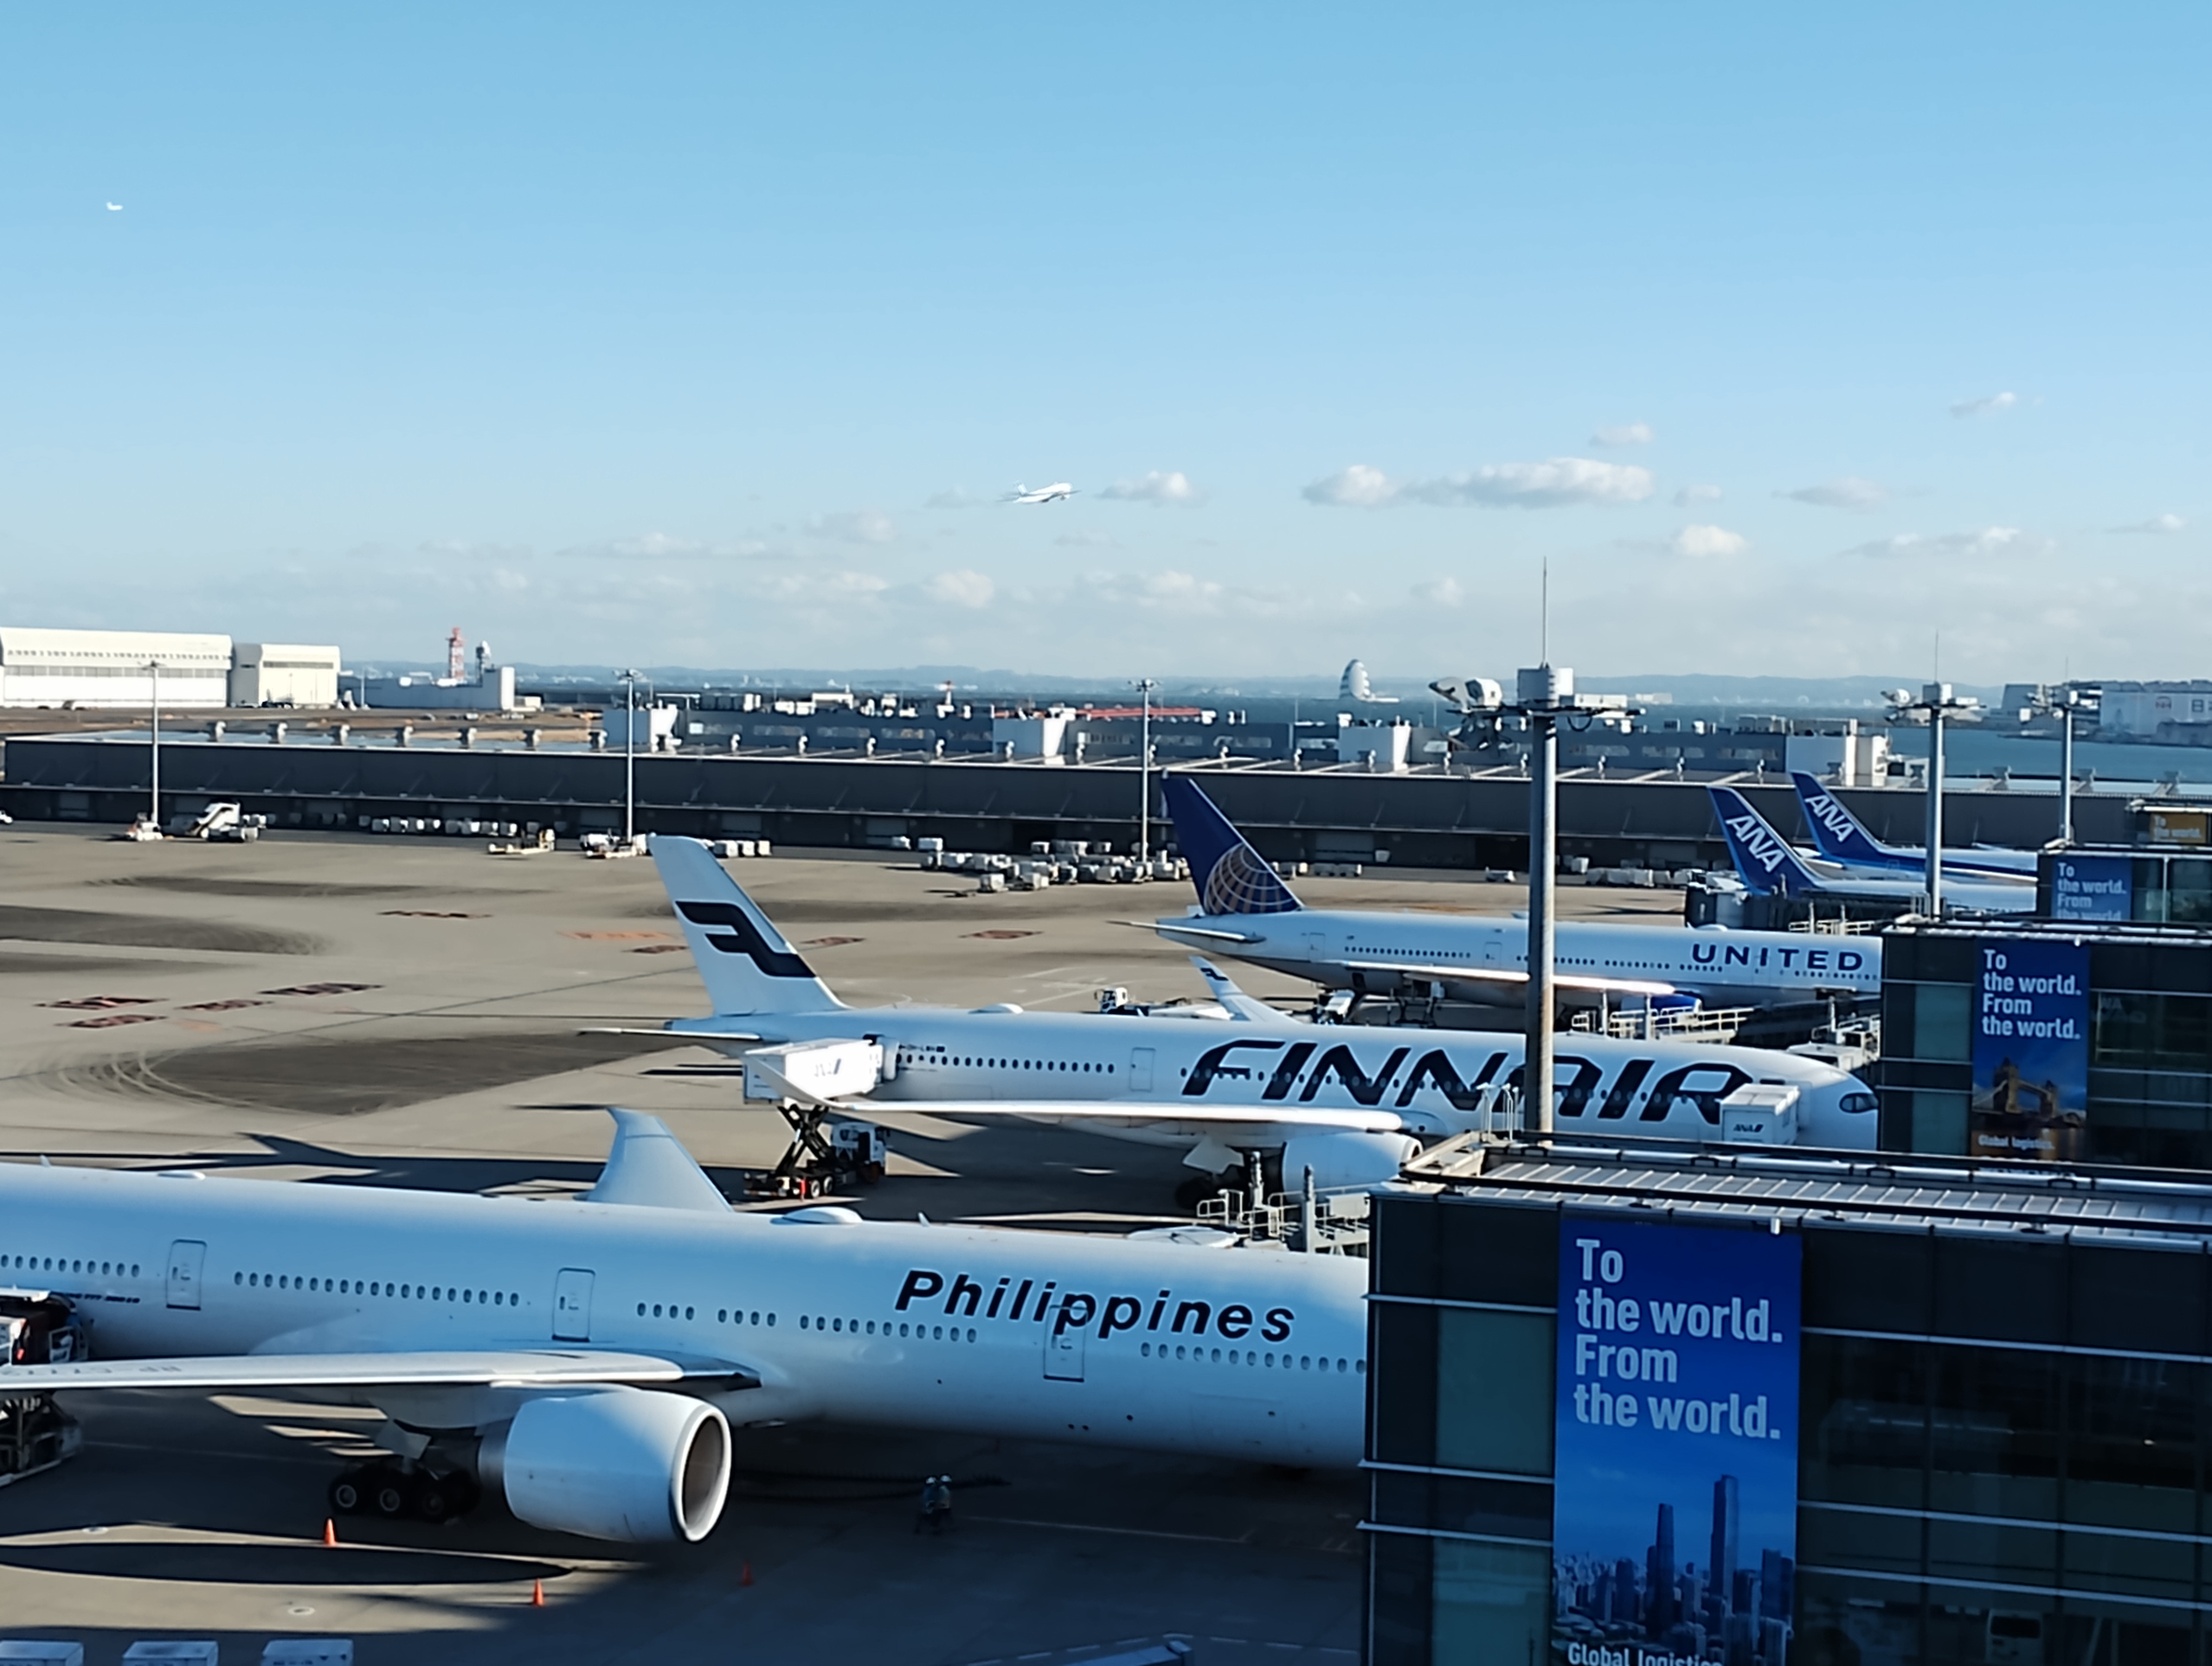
[(1674, 1514)]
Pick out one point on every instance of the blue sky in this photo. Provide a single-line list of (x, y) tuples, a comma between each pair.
[(709, 335)]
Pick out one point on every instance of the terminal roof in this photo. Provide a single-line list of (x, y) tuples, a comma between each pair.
[(1900, 1192)]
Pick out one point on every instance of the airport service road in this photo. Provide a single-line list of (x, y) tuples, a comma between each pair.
[(405, 1011)]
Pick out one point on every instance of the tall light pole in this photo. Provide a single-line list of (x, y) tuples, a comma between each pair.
[(1543, 693), (629, 758), (1937, 700), (154, 739), (2064, 703), (1145, 686)]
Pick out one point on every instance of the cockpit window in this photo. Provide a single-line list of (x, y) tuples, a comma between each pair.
[(1858, 1102)]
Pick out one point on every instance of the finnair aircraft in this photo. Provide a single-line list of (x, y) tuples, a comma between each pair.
[(1059, 492), (1764, 862), (587, 1359), (1347, 1104), (1246, 912), (1843, 839)]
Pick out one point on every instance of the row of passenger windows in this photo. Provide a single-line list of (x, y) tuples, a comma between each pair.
[(434, 1292), (1247, 1357), (1076, 1066), (106, 1269)]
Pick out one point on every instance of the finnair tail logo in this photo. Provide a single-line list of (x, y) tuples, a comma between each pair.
[(737, 934), (1759, 842)]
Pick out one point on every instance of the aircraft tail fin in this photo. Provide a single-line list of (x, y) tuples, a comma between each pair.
[(1837, 834), (1231, 877), (744, 961), (1763, 858)]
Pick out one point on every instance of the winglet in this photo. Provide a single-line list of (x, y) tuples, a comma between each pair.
[(1245, 1009), (649, 1166)]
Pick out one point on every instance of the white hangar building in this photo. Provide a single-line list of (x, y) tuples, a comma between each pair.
[(81, 668)]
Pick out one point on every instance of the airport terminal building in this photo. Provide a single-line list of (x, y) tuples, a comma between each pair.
[(1648, 1407)]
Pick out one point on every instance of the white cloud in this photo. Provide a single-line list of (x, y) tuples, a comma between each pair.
[(1358, 487), (958, 498), (2156, 524), (1848, 492), (1691, 495), (1440, 592), (964, 587), (1628, 433), (1984, 405), (1554, 484), (854, 526), (1708, 541), (1988, 541), (1160, 486)]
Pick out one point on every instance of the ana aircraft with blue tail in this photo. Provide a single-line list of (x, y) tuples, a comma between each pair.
[(1766, 862), (1842, 838)]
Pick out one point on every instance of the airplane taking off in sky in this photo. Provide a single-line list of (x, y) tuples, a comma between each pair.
[(1764, 862), (1059, 492), (1347, 1104), (1843, 839), (1246, 912), (587, 1358)]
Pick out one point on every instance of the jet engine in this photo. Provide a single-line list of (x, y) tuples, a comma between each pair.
[(1345, 1160), (626, 1465)]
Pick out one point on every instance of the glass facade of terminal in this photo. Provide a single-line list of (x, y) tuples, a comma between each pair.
[(2003, 1436), (2149, 1043)]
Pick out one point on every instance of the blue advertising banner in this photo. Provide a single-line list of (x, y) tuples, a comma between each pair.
[(2031, 1049), (1674, 1514), (2092, 888)]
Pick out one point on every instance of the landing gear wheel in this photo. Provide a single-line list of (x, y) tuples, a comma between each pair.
[(432, 1503), (346, 1493), (390, 1497)]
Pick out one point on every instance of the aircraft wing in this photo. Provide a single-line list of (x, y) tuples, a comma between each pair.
[(1173, 928), (1137, 1114), (491, 1368), (673, 1035), (1615, 985)]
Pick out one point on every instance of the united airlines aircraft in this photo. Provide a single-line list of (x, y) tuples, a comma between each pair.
[(1246, 912), (1347, 1105), (1843, 839), (587, 1359), (1764, 862)]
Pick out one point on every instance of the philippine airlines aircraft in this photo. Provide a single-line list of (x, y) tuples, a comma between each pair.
[(1843, 839), (1347, 1105), (587, 1359), (1246, 912), (1059, 492), (1764, 862)]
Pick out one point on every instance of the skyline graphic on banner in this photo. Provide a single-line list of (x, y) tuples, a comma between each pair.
[(1674, 1513)]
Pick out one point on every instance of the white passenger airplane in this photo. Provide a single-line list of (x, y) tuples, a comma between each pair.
[(1058, 492), (1765, 862), (1843, 839), (1347, 1105), (1246, 912), (587, 1359)]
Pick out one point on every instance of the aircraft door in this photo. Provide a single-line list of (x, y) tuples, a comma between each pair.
[(572, 1306), (1063, 1349), (186, 1257), (1140, 1070)]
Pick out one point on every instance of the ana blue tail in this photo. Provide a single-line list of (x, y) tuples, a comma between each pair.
[(1837, 834), (1763, 858), (1231, 876)]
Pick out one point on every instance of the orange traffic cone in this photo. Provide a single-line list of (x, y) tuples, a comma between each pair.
[(744, 1573), (537, 1593), (330, 1533)]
